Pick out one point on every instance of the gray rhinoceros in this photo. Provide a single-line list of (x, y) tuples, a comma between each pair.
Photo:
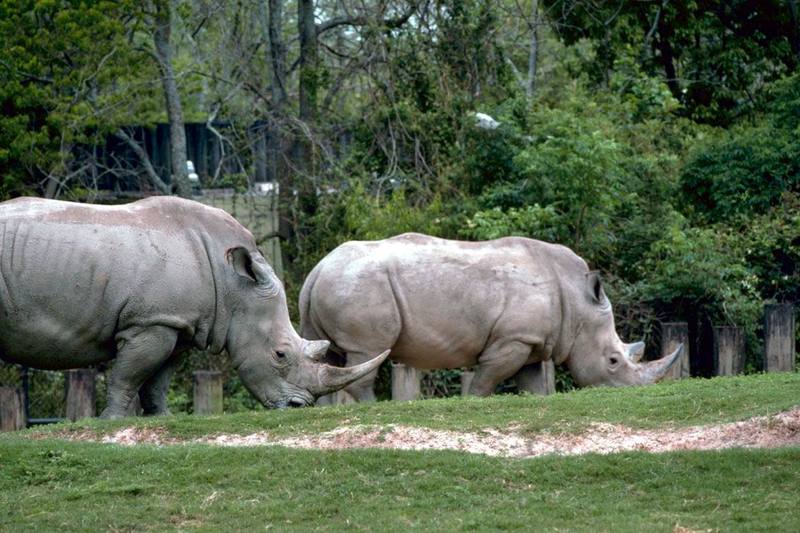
[(139, 283), (499, 304)]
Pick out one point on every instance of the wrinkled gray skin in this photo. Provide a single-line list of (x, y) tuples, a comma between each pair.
[(499, 304), (139, 283)]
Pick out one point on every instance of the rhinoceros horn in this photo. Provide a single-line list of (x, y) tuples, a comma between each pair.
[(326, 378), (634, 351), (655, 370)]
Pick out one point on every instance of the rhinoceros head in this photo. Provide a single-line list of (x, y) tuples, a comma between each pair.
[(276, 365), (597, 355)]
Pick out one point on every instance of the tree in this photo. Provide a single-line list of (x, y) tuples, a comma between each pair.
[(56, 59), (161, 27), (713, 54)]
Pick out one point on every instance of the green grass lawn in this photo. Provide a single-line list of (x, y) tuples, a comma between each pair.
[(678, 403), (49, 484)]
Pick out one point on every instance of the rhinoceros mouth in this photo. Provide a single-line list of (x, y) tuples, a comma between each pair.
[(297, 402), (291, 400)]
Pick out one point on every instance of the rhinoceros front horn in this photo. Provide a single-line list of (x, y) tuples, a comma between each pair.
[(655, 370), (329, 378)]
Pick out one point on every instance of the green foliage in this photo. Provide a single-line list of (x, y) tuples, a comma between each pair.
[(367, 218), (745, 172), (531, 221), (358, 214), (489, 156), (697, 266), (56, 57), (712, 54), (772, 250), (644, 96)]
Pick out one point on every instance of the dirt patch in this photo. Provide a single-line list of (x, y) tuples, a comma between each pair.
[(775, 431), (760, 432), (126, 436)]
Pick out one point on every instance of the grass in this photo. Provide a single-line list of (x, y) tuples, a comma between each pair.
[(70, 486), (49, 484)]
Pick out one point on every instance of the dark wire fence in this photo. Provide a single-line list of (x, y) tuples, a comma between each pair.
[(44, 392)]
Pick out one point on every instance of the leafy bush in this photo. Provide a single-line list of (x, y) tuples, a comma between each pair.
[(745, 171), (531, 221)]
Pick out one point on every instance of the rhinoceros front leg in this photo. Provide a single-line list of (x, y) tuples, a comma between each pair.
[(140, 353), (499, 361), (362, 390), (153, 394)]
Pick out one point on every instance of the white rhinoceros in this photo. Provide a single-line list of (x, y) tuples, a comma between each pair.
[(499, 304), (138, 283)]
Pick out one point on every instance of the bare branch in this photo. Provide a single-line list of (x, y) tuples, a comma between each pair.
[(363, 20), (155, 179)]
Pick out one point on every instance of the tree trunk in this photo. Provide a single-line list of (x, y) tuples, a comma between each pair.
[(177, 133), (276, 138), (277, 53), (307, 112), (668, 58), (795, 37), (307, 30), (533, 55)]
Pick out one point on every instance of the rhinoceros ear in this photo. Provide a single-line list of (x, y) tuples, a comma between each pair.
[(595, 287), (249, 265)]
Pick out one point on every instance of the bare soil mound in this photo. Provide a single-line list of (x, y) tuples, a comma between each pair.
[(775, 431)]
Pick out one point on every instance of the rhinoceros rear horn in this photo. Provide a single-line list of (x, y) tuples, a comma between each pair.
[(634, 351), (655, 370), (332, 378)]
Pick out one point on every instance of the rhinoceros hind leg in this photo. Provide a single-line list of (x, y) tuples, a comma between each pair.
[(499, 361), (153, 394), (140, 353)]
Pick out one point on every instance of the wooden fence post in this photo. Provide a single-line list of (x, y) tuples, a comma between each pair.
[(12, 410), (207, 392), (537, 378), (405, 382), (779, 331), (81, 393), (728, 351), (466, 381), (673, 334)]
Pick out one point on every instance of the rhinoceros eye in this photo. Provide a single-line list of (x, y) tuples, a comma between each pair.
[(280, 355), (613, 361)]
